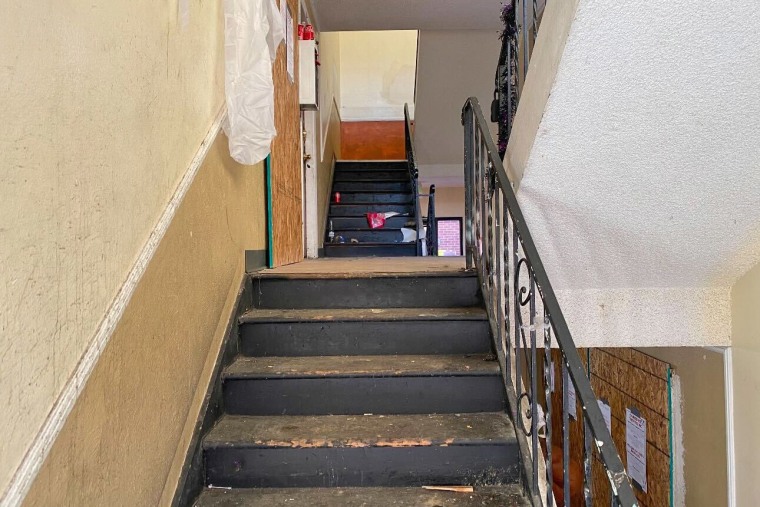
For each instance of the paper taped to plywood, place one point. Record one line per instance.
(253, 30)
(636, 447)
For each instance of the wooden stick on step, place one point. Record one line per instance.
(453, 489)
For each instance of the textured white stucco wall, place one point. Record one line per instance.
(642, 188)
(104, 105)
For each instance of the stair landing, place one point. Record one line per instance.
(357, 266)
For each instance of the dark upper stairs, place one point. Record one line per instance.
(364, 187)
(358, 389)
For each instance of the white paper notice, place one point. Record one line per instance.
(636, 448)
(289, 38)
(571, 403)
(606, 413)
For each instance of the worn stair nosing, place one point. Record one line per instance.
(490, 496)
(376, 366)
(256, 316)
(353, 431)
(268, 275)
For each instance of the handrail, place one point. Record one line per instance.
(431, 234)
(413, 174)
(492, 214)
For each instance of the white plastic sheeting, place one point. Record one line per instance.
(253, 31)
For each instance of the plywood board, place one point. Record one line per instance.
(628, 378)
(286, 179)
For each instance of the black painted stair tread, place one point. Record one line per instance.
(361, 431)
(363, 314)
(362, 366)
(483, 496)
(361, 210)
(362, 198)
(361, 222)
(372, 186)
(400, 165)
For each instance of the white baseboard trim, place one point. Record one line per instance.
(30, 466)
(728, 371)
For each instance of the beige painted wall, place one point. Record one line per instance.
(104, 106)
(125, 440)
(453, 66)
(745, 355)
(449, 201)
(377, 72)
(703, 422)
(329, 124)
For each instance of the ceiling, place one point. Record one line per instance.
(348, 15)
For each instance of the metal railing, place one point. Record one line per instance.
(431, 234)
(514, 282)
(521, 20)
(413, 174)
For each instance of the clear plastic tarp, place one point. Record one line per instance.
(253, 31)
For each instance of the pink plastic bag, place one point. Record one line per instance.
(376, 220)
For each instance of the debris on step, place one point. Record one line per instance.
(453, 489)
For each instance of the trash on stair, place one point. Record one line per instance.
(410, 235)
(354, 240)
(453, 489)
(377, 220)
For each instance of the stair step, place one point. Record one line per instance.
(364, 332)
(483, 496)
(371, 165)
(370, 250)
(377, 384)
(360, 210)
(346, 223)
(372, 186)
(376, 198)
(445, 290)
(385, 176)
(383, 235)
(364, 450)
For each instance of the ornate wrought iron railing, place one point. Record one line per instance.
(514, 283)
(521, 20)
(413, 175)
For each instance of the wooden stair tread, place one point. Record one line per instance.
(483, 496)
(363, 314)
(356, 431)
(361, 366)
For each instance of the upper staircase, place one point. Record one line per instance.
(359, 388)
(365, 187)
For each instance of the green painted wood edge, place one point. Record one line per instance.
(670, 436)
(270, 222)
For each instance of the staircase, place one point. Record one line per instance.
(364, 187)
(358, 389)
